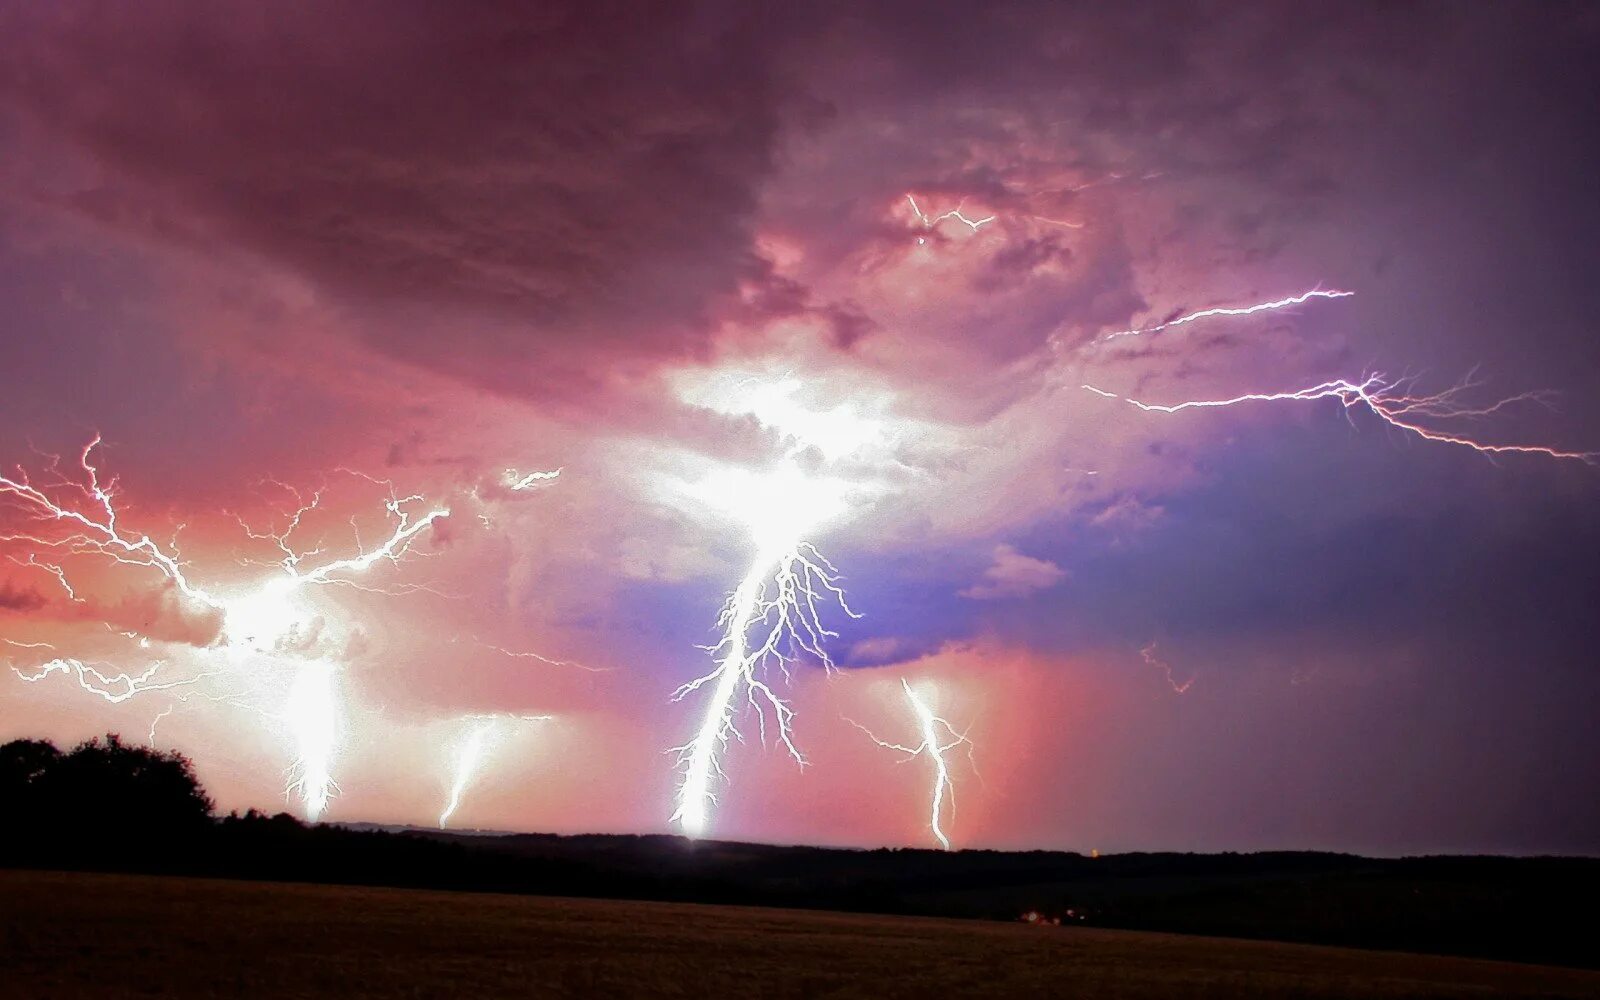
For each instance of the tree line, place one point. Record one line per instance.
(100, 790)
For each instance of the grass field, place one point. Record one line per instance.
(72, 935)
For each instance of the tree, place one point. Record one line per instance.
(103, 790)
(22, 762)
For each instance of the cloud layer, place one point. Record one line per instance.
(447, 248)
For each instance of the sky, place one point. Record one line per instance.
(327, 283)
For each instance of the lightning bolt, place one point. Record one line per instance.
(54, 570)
(1149, 655)
(772, 615)
(1391, 402)
(930, 222)
(515, 481)
(79, 516)
(312, 714)
(470, 753)
(935, 747)
(467, 757)
(150, 740)
(114, 688)
(529, 654)
(27, 645)
(95, 532)
(1276, 304)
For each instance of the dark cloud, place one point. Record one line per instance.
(15, 597)
(551, 187)
(543, 200)
(565, 202)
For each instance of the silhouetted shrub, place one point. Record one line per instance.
(22, 764)
(102, 792)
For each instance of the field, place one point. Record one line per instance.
(70, 935)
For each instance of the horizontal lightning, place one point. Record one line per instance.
(1390, 402)
(1293, 300)
(115, 688)
(929, 222)
(531, 480)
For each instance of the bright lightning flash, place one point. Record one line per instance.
(312, 713)
(771, 615)
(470, 753)
(467, 758)
(78, 517)
(935, 746)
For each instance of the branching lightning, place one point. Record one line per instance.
(95, 532)
(79, 517)
(54, 570)
(774, 614)
(1392, 402)
(114, 688)
(771, 615)
(935, 746)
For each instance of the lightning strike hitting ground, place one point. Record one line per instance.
(79, 517)
(470, 753)
(935, 747)
(772, 615)
(467, 757)
(1389, 401)
(1293, 300)
(312, 714)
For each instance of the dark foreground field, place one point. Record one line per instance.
(70, 935)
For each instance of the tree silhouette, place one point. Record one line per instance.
(103, 790)
(22, 763)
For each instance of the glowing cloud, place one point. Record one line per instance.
(773, 613)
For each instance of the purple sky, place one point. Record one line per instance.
(255, 246)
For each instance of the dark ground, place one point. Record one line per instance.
(1538, 910)
(76, 935)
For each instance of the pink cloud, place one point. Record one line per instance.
(1013, 574)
